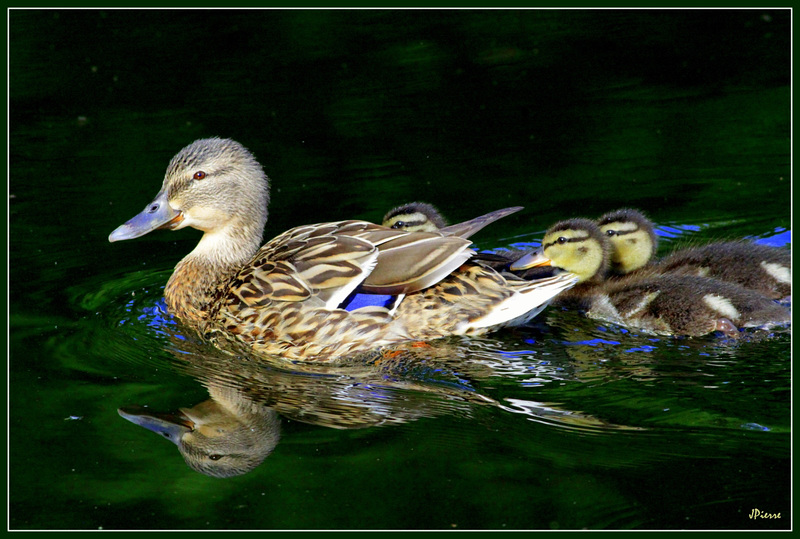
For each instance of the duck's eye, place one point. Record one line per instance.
(199, 175)
(399, 224)
(215, 457)
(562, 240)
(610, 232)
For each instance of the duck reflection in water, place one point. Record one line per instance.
(239, 426)
(225, 436)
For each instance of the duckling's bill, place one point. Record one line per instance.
(531, 260)
(157, 214)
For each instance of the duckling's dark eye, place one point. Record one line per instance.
(215, 457)
(399, 224)
(199, 175)
(562, 240)
(610, 232)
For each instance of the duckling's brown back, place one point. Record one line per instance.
(691, 305)
(757, 267)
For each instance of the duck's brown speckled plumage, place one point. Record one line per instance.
(284, 297)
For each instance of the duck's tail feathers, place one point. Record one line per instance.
(527, 302)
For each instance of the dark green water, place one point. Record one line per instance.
(565, 424)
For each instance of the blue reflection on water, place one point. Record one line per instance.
(643, 348)
(756, 426)
(517, 353)
(781, 238)
(665, 231)
(157, 317)
(590, 342)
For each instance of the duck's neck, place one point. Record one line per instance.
(217, 257)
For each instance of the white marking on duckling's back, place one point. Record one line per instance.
(779, 272)
(603, 308)
(722, 305)
(643, 303)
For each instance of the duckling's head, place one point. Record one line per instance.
(214, 185)
(575, 245)
(415, 217)
(633, 240)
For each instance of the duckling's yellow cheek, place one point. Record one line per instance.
(556, 254)
(563, 257)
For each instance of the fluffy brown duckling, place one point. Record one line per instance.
(666, 304)
(767, 270)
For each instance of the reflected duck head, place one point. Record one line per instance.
(212, 439)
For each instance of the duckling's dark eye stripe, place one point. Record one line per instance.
(622, 232)
(406, 224)
(566, 240)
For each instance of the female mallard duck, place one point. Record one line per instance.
(758, 267)
(662, 304)
(287, 297)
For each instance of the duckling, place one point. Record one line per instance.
(664, 304)
(767, 270)
(633, 239)
(419, 216)
(424, 217)
(287, 298)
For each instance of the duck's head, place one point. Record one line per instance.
(633, 240)
(213, 439)
(575, 245)
(415, 217)
(214, 185)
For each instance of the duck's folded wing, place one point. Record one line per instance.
(320, 269)
(324, 263)
(407, 261)
(410, 263)
(468, 228)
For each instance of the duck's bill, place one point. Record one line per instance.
(531, 260)
(171, 426)
(157, 214)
